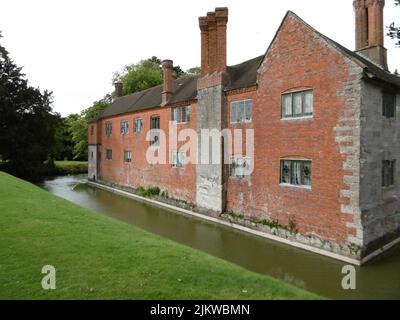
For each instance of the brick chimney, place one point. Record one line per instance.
(204, 45)
(169, 77)
(370, 30)
(213, 41)
(118, 89)
(221, 15)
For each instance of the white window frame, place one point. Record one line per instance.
(136, 127)
(237, 104)
(127, 159)
(178, 159)
(291, 184)
(293, 95)
(109, 128)
(245, 171)
(124, 127)
(180, 112)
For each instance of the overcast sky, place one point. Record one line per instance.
(72, 47)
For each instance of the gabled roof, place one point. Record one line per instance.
(242, 75)
(370, 67)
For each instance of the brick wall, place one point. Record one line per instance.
(179, 183)
(299, 58)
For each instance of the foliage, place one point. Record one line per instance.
(148, 192)
(394, 32)
(71, 167)
(140, 76)
(97, 257)
(193, 71)
(78, 126)
(265, 222)
(64, 146)
(27, 122)
(145, 74)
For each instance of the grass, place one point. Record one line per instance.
(71, 167)
(97, 257)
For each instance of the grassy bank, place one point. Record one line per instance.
(97, 257)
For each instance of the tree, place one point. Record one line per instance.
(64, 146)
(144, 75)
(27, 122)
(140, 76)
(78, 126)
(193, 71)
(394, 32)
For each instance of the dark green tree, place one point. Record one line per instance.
(27, 122)
(64, 146)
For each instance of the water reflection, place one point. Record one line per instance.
(379, 279)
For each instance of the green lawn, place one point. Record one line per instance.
(100, 258)
(71, 167)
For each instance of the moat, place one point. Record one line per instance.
(378, 279)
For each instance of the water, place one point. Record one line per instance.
(379, 279)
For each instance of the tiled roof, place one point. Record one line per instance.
(242, 75)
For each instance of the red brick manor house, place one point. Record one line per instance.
(326, 132)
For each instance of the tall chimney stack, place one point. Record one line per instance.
(221, 15)
(168, 77)
(204, 45)
(118, 89)
(370, 30)
(213, 41)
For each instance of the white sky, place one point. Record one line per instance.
(72, 47)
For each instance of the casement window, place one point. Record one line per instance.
(297, 104)
(109, 154)
(127, 156)
(388, 172)
(91, 130)
(241, 111)
(178, 159)
(124, 127)
(155, 131)
(180, 114)
(241, 167)
(296, 172)
(108, 129)
(138, 125)
(389, 105)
